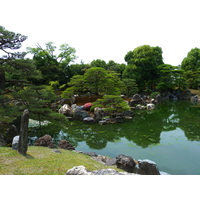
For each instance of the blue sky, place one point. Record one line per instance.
(107, 29)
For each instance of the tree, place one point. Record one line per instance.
(53, 67)
(18, 77)
(170, 78)
(98, 63)
(96, 80)
(112, 104)
(130, 87)
(191, 66)
(146, 59)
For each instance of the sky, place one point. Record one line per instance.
(107, 29)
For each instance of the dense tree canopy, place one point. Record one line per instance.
(191, 66)
(53, 66)
(96, 80)
(18, 78)
(145, 59)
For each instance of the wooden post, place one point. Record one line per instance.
(23, 139)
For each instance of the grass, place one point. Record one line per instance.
(42, 161)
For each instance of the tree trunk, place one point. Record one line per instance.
(2, 79)
(23, 140)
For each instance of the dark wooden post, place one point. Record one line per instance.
(23, 139)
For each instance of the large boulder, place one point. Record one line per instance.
(81, 170)
(64, 144)
(99, 113)
(147, 167)
(45, 141)
(87, 106)
(15, 143)
(69, 101)
(126, 163)
(66, 110)
(80, 114)
(137, 99)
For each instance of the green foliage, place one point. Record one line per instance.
(154, 94)
(96, 80)
(191, 66)
(146, 59)
(98, 63)
(170, 78)
(130, 72)
(18, 80)
(53, 67)
(112, 104)
(130, 87)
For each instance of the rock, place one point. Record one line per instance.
(66, 110)
(89, 120)
(56, 151)
(111, 161)
(78, 170)
(15, 143)
(127, 117)
(140, 107)
(110, 172)
(81, 170)
(148, 167)
(103, 122)
(44, 141)
(90, 154)
(150, 106)
(73, 107)
(195, 99)
(80, 114)
(23, 139)
(98, 114)
(69, 101)
(118, 119)
(64, 144)
(87, 106)
(2, 141)
(137, 99)
(125, 162)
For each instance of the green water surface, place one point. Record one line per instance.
(169, 136)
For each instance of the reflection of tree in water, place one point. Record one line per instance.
(190, 122)
(144, 129)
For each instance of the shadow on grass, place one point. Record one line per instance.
(29, 156)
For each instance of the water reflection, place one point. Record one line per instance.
(144, 130)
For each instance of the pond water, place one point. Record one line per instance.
(169, 136)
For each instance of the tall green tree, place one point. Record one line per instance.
(146, 59)
(53, 66)
(191, 66)
(170, 78)
(96, 80)
(18, 77)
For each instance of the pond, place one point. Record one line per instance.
(169, 136)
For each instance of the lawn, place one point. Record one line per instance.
(42, 161)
